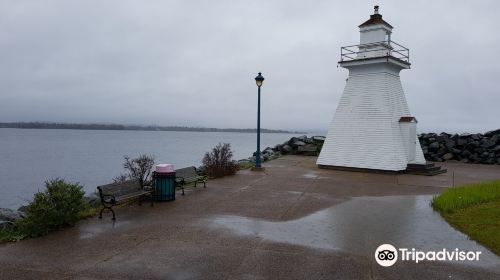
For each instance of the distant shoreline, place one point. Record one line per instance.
(79, 126)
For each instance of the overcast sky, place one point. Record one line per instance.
(193, 63)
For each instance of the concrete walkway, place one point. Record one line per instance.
(293, 221)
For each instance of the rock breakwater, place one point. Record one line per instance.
(470, 148)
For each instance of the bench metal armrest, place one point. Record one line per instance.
(108, 198)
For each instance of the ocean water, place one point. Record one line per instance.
(29, 157)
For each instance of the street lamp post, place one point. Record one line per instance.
(258, 80)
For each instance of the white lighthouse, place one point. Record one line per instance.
(372, 127)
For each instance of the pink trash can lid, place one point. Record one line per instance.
(164, 168)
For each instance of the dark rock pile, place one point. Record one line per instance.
(471, 148)
(303, 145)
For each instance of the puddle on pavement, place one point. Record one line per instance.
(360, 225)
(93, 229)
(310, 175)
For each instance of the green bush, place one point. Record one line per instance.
(219, 162)
(58, 206)
(467, 195)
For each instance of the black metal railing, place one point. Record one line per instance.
(376, 49)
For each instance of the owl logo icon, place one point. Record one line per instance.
(386, 255)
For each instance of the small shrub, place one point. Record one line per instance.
(219, 161)
(58, 206)
(138, 168)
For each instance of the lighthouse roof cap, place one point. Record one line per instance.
(376, 18)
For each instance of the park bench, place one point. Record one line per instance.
(116, 193)
(188, 175)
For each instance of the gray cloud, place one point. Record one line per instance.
(193, 62)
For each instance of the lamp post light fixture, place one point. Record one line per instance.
(258, 80)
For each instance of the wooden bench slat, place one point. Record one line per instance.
(132, 195)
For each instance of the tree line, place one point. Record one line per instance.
(90, 126)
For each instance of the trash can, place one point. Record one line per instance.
(164, 182)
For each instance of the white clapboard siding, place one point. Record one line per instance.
(365, 131)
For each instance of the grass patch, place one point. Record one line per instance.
(89, 212)
(11, 234)
(461, 197)
(480, 222)
(473, 209)
(245, 165)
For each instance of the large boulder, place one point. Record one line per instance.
(495, 138)
(302, 138)
(476, 136)
(298, 143)
(471, 146)
(449, 144)
(441, 138)
(462, 141)
(479, 150)
(319, 138)
(487, 143)
(441, 151)
(434, 146)
(308, 150)
(493, 132)
(265, 157)
(268, 151)
(286, 149)
(466, 154)
(10, 215)
(447, 156)
(273, 155)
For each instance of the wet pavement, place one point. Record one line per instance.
(361, 224)
(293, 221)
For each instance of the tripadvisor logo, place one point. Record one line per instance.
(387, 255)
